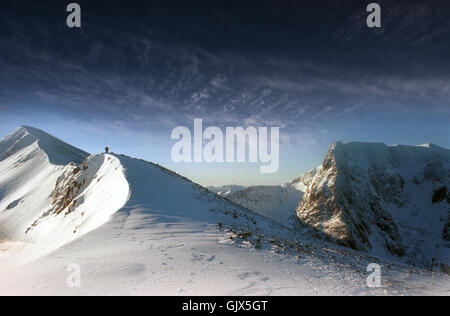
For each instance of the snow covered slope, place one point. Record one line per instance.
(133, 227)
(44, 205)
(389, 201)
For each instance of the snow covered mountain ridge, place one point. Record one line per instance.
(134, 227)
(390, 201)
(51, 192)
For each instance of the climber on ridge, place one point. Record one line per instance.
(106, 149)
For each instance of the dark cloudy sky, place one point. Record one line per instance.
(137, 69)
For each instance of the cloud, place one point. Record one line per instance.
(148, 78)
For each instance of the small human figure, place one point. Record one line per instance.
(106, 149)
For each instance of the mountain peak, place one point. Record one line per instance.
(58, 152)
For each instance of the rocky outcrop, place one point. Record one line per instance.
(68, 186)
(371, 197)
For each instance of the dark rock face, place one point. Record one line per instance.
(365, 196)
